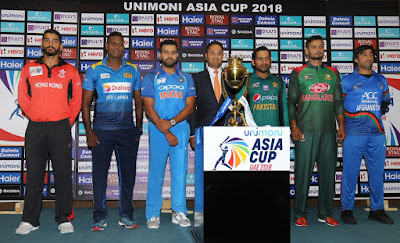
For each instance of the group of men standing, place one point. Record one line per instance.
(178, 106)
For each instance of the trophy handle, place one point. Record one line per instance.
(246, 87)
(224, 93)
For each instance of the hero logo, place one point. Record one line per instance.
(117, 87)
(169, 87)
(142, 30)
(370, 95)
(167, 19)
(319, 88)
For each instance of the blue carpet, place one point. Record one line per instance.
(365, 231)
(48, 231)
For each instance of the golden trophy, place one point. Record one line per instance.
(235, 77)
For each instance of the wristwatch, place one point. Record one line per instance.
(172, 122)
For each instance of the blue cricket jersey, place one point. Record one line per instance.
(362, 102)
(114, 103)
(168, 91)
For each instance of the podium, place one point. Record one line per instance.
(246, 184)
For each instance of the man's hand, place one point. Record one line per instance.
(296, 133)
(172, 139)
(192, 141)
(341, 134)
(164, 125)
(91, 139)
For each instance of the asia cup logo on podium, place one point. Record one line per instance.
(234, 152)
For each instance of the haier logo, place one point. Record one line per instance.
(393, 67)
(341, 21)
(117, 18)
(84, 65)
(11, 64)
(10, 178)
(270, 20)
(68, 41)
(192, 19)
(364, 21)
(33, 52)
(167, 30)
(84, 179)
(12, 27)
(142, 42)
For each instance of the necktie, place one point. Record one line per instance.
(217, 88)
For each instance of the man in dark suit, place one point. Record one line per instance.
(208, 102)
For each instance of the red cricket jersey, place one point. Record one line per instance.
(50, 94)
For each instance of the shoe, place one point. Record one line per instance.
(99, 225)
(329, 221)
(347, 217)
(198, 219)
(25, 228)
(66, 228)
(129, 223)
(301, 222)
(153, 223)
(380, 216)
(181, 219)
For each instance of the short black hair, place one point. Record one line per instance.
(313, 38)
(168, 42)
(214, 43)
(51, 31)
(114, 33)
(363, 48)
(261, 48)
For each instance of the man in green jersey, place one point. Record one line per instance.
(315, 99)
(267, 92)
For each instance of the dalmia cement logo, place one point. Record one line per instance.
(235, 150)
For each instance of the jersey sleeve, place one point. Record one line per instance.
(148, 86)
(191, 90)
(284, 108)
(76, 101)
(138, 79)
(24, 99)
(293, 94)
(89, 82)
(339, 104)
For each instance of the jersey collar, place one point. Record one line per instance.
(60, 62)
(312, 66)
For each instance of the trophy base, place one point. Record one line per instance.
(236, 119)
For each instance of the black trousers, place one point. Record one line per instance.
(43, 139)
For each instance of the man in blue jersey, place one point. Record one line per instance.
(115, 83)
(366, 98)
(169, 98)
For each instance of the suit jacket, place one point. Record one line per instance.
(206, 103)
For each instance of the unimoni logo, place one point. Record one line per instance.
(117, 87)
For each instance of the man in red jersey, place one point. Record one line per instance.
(50, 95)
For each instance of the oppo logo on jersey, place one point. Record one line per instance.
(169, 87)
(117, 87)
(319, 88)
(370, 95)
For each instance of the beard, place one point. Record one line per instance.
(168, 63)
(317, 57)
(262, 68)
(48, 53)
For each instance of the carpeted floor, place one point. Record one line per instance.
(366, 231)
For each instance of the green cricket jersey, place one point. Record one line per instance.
(268, 100)
(315, 98)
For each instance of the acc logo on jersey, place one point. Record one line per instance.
(370, 95)
(257, 98)
(35, 71)
(319, 88)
